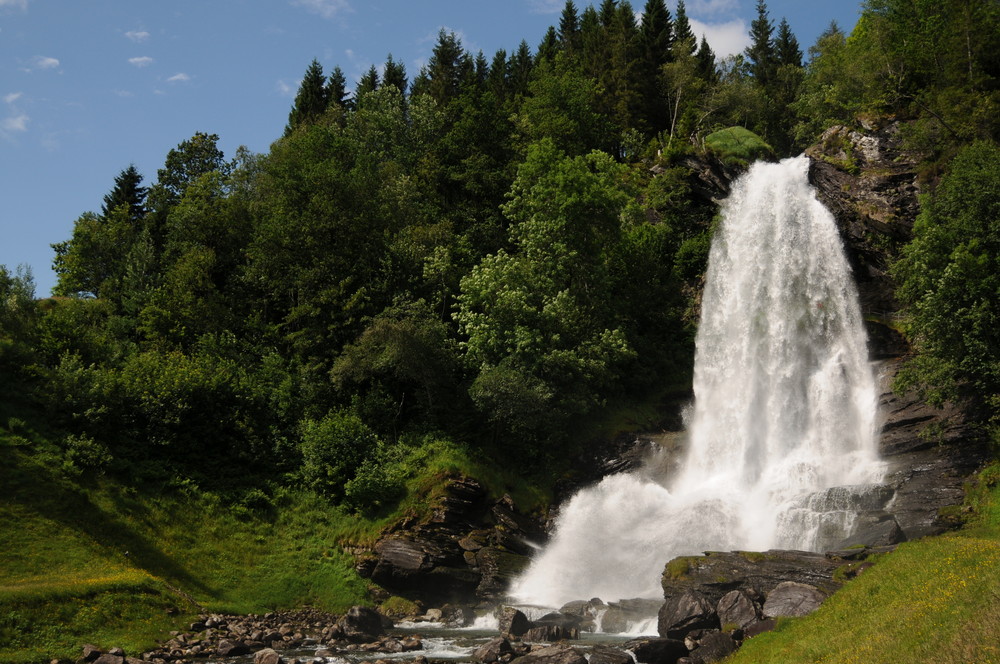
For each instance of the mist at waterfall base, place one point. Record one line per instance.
(782, 431)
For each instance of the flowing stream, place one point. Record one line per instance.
(782, 433)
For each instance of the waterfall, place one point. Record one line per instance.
(782, 431)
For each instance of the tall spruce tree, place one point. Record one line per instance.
(394, 74)
(311, 99)
(761, 54)
(682, 28)
(655, 38)
(128, 192)
(569, 28)
(336, 88)
(444, 68)
(548, 47)
(786, 46)
(706, 62)
(368, 83)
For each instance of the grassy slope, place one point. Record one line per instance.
(932, 600)
(90, 559)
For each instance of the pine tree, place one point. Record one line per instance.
(549, 46)
(706, 62)
(368, 83)
(655, 37)
(444, 68)
(498, 81)
(520, 66)
(127, 192)
(608, 13)
(336, 88)
(760, 53)
(311, 99)
(569, 28)
(394, 74)
(591, 41)
(787, 46)
(682, 28)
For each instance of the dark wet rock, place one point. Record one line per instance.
(620, 616)
(603, 654)
(793, 599)
(868, 181)
(717, 573)
(512, 621)
(765, 625)
(738, 608)
(554, 654)
(497, 568)
(874, 529)
(492, 651)
(657, 651)
(713, 647)
(514, 531)
(550, 633)
(361, 623)
(684, 612)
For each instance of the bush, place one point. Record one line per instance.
(738, 146)
(333, 448)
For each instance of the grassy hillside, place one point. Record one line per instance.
(90, 558)
(932, 600)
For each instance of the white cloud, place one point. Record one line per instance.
(325, 8)
(284, 89)
(546, 6)
(14, 4)
(141, 61)
(124, 93)
(726, 39)
(179, 77)
(12, 97)
(138, 36)
(15, 123)
(44, 62)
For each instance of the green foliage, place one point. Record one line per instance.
(949, 280)
(333, 448)
(738, 146)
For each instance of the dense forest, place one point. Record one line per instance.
(491, 255)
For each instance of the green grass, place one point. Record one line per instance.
(932, 600)
(738, 146)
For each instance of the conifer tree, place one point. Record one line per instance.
(760, 53)
(655, 36)
(444, 68)
(786, 46)
(706, 62)
(520, 69)
(368, 83)
(682, 28)
(336, 88)
(549, 46)
(311, 99)
(591, 41)
(608, 13)
(497, 81)
(129, 192)
(394, 74)
(569, 28)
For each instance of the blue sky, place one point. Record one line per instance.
(89, 86)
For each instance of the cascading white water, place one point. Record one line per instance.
(785, 408)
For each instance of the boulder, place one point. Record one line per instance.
(108, 658)
(874, 529)
(622, 616)
(543, 633)
(512, 622)
(497, 568)
(739, 609)
(228, 648)
(657, 651)
(713, 647)
(684, 612)
(492, 651)
(765, 625)
(91, 652)
(554, 654)
(267, 656)
(603, 654)
(792, 599)
(361, 623)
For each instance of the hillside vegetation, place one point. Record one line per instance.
(255, 363)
